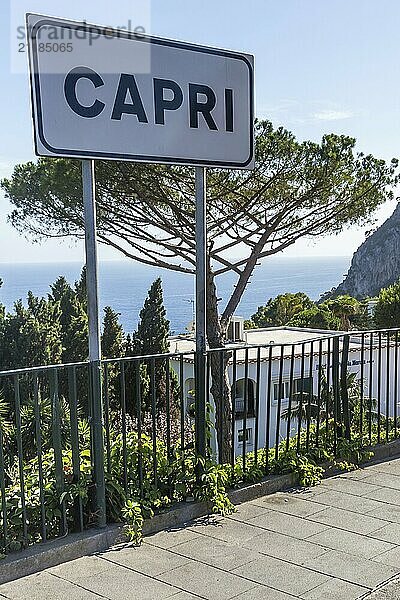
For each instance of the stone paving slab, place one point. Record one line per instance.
(262, 593)
(387, 512)
(335, 589)
(391, 466)
(207, 581)
(351, 486)
(359, 571)
(297, 527)
(285, 547)
(148, 560)
(384, 480)
(348, 520)
(288, 503)
(389, 533)
(184, 596)
(45, 586)
(385, 495)
(352, 543)
(334, 542)
(390, 591)
(224, 555)
(358, 504)
(391, 557)
(118, 582)
(282, 575)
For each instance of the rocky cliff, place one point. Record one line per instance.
(376, 263)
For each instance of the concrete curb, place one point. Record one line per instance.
(44, 556)
(384, 451)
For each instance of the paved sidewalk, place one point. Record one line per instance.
(335, 542)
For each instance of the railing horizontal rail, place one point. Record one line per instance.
(147, 357)
(41, 369)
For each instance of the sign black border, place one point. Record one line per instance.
(60, 152)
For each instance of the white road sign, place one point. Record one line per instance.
(111, 94)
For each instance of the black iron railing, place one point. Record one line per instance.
(262, 401)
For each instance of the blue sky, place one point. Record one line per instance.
(321, 66)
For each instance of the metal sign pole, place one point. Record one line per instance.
(89, 199)
(201, 275)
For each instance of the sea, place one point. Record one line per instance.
(124, 285)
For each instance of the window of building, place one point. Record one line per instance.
(240, 397)
(189, 395)
(249, 436)
(299, 385)
(237, 331)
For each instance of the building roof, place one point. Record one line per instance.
(284, 335)
(281, 342)
(275, 342)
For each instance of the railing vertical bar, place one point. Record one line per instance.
(38, 440)
(106, 389)
(279, 403)
(336, 390)
(245, 406)
(89, 376)
(17, 398)
(396, 379)
(319, 390)
(153, 417)
(300, 396)
(182, 407)
(290, 399)
(168, 406)
(257, 406)
(3, 495)
(379, 383)
(76, 467)
(57, 446)
(370, 383)
(220, 406)
(387, 384)
(233, 400)
(208, 405)
(123, 425)
(182, 411)
(328, 388)
(343, 389)
(138, 394)
(268, 410)
(362, 357)
(310, 394)
(168, 419)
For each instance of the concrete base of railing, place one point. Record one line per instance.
(384, 451)
(43, 556)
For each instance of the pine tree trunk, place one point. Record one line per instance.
(220, 385)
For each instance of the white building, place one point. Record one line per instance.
(291, 354)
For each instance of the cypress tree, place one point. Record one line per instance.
(112, 339)
(80, 287)
(153, 328)
(113, 345)
(152, 338)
